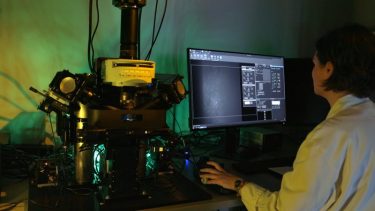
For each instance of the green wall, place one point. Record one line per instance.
(39, 38)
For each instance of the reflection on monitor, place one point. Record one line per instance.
(234, 89)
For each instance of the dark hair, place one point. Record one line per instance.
(351, 49)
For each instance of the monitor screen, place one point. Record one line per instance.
(234, 89)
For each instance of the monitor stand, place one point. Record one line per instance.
(231, 148)
(254, 157)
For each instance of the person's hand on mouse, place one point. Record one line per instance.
(218, 175)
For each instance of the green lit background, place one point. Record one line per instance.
(39, 38)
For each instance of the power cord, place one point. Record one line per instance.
(155, 37)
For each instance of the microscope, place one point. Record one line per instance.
(121, 105)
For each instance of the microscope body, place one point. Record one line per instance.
(111, 116)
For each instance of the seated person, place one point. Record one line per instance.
(334, 168)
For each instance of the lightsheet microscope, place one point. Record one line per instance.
(120, 106)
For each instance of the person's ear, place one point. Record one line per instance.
(329, 68)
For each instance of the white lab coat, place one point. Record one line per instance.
(334, 168)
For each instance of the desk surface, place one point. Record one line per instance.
(18, 198)
(17, 194)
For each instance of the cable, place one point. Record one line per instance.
(154, 38)
(175, 121)
(53, 133)
(90, 44)
(95, 30)
(89, 38)
(139, 33)
(153, 25)
(153, 30)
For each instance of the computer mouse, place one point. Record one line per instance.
(202, 163)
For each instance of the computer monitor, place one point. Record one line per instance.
(232, 89)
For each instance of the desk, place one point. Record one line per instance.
(18, 193)
(216, 203)
(225, 202)
(177, 191)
